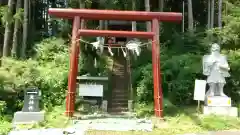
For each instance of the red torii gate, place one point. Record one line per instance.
(90, 14)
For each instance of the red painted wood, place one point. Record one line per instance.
(158, 96)
(106, 33)
(155, 17)
(75, 49)
(93, 14)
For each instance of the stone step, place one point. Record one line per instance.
(120, 94)
(119, 71)
(120, 79)
(119, 104)
(118, 68)
(119, 90)
(119, 99)
(118, 74)
(118, 109)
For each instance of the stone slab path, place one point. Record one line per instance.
(115, 124)
(48, 132)
(81, 126)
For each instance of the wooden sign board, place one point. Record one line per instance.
(91, 90)
(199, 90)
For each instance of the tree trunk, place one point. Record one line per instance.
(148, 23)
(219, 17)
(183, 18)
(220, 14)
(209, 15)
(46, 17)
(190, 16)
(8, 29)
(101, 22)
(106, 24)
(82, 5)
(134, 23)
(147, 8)
(1, 36)
(53, 22)
(161, 5)
(25, 29)
(212, 13)
(16, 30)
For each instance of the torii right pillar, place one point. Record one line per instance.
(158, 94)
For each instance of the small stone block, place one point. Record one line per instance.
(28, 117)
(217, 110)
(219, 101)
(104, 105)
(130, 105)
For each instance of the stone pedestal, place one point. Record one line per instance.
(130, 105)
(218, 101)
(219, 105)
(28, 117)
(221, 110)
(104, 105)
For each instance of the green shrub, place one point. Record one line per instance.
(48, 71)
(3, 107)
(178, 75)
(232, 87)
(180, 66)
(144, 110)
(53, 64)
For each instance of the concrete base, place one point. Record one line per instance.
(219, 101)
(28, 117)
(104, 105)
(217, 110)
(130, 105)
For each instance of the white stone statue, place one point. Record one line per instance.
(215, 67)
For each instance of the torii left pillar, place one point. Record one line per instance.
(78, 14)
(75, 50)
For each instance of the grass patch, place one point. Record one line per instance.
(56, 119)
(184, 120)
(5, 127)
(179, 121)
(184, 124)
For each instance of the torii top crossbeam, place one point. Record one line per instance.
(115, 15)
